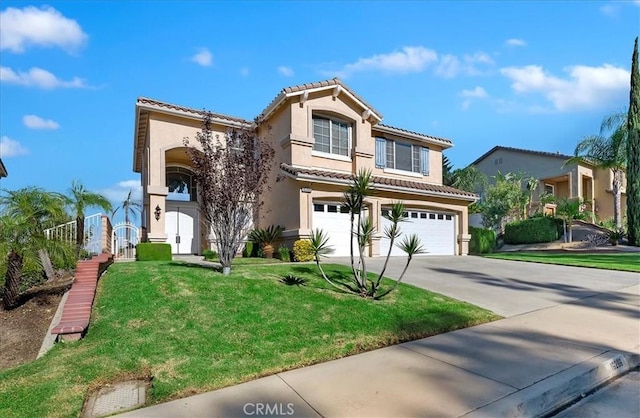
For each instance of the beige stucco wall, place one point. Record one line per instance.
(165, 146)
(604, 194)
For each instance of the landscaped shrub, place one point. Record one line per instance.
(283, 253)
(482, 240)
(210, 255)
(531, 231)
(302, 250)
(152, 251)
(249, 249)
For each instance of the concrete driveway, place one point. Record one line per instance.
(507, 288)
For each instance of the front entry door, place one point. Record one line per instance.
(180, 227)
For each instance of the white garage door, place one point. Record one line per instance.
(435, 230)
(335, 221)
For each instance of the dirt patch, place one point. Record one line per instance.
(22, 329)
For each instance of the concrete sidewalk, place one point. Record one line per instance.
(524, 365)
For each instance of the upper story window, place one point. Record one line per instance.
(181, 184)
(331, 136)
(402, 156)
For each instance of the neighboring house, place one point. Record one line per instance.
(3, 169)
(569, 181)
(323, 133)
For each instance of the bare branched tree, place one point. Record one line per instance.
(232, 174)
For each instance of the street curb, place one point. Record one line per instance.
(50, 339)
(557, 391)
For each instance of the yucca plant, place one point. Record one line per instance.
(266, 237)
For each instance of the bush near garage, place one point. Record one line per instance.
(151, 251)
(483, 240)
(531, 231)
(302, 250)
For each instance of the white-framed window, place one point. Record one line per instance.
(332, 136)
(404, 156)
(549, 189)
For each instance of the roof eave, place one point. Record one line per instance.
(283, 97)
(445, 144)
(378, 186)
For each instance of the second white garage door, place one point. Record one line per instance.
(335, 221)
(435, 230)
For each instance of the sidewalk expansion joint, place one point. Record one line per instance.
(299, 395)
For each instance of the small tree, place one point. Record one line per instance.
(633, 153)
(79, 200)
(362, 230)
(504, 198)
(231, 175)
(569, 210)
(24, 216)
(131, 208)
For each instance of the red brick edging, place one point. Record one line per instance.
(77, 308)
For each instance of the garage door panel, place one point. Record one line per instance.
(435, 231)
(336, 226)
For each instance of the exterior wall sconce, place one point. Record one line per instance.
(157, 212)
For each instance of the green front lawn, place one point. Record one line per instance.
(195, 330)
(609, 261)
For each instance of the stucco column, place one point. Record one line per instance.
(157, 198)
(463, 232)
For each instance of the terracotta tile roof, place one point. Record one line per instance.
(429, 137)
(521, 150)
(169, 106)
(382, 181)
(317, 84)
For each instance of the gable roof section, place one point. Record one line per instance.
(380, 183)
(443, 142)
(522, 151)
(3, 169)
(333, 84)
(145, 105)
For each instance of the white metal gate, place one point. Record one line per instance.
(125, 238)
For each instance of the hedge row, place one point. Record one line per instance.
(482, 240)
(531, 231)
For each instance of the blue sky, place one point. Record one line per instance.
(537, 75)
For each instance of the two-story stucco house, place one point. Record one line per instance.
(323, 133)
(569, 181)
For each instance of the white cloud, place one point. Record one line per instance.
(585, 88)
(119, 191)
(410, 59)
(203, 57)
(36, 122)
(609, 10)
(244, 71)
(515, 42)
(11, 148)
(37, 77)
(477, 93)
(45, 26)
(450, 66)
(285, 71)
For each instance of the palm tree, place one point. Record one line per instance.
(607, 150)
(469, 179)
(569, 210)
(25, 215)
(131, 208)
(79, 199)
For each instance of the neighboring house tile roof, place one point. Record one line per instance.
(520, 150)
(195, 112)
(430, 138)
(309, 86)
(3, 169)
(431, 189)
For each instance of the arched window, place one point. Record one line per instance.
(181, 184)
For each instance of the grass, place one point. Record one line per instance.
(195, 330)
(608, 261)
(244, 261)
